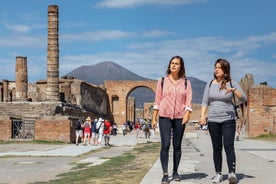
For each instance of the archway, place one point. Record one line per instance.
(121, 89)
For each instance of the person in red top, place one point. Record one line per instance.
(137, 129)
(173, 103)
(87, 131)
(107, 131)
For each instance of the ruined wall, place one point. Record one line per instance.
(54, 129)
(29, 109)
(59, 116)
(5, 130)
(7, 90)
(261, 111)
(94, 99)
(80, 94)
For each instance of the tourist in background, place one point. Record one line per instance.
(173, 103)
(94, 134)
(99, 130)
(106, 132)
(114, 129)
(79, 132)
(87, 131)
(124, 129)
(137, 129)
(218, 96)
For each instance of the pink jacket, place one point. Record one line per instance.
(173, 100)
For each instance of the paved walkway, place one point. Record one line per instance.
(256, 160)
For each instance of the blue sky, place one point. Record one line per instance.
(142, 36)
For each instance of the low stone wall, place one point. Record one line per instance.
(53, 129)
(5, 129)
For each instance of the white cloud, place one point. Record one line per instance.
(150, 59)
(133, 3)
(156, 33)
(23, 41)
(96, 36)
(23, 24)
(18, 28)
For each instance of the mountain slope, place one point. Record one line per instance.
(100, 72)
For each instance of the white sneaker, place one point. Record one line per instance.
(232, 178)
(217, 179)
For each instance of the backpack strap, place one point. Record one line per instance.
(162, 82)
(185, 83)
(235, 105)
(210, 83)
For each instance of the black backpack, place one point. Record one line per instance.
(105, 127)
(78, 125)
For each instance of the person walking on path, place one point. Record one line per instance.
(99, 130)
(87, 131)
(173, 103)
(106, 132)
(79, 132)
(94, 134)
(219, 95)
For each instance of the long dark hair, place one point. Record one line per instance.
(182, 67)
(225, 66)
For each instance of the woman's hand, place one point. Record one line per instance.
(186, 117)
(228, 90)
(203, 120)
(153, 123)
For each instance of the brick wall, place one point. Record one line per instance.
(5, 129)
(53, 129)
(261, 111)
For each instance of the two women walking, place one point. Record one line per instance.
(173, 106)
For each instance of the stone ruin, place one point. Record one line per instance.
(47, 109)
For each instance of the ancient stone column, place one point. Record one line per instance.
(21, 79)
(5, 90)
(53, 55)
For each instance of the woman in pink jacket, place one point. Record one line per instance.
(173, 103)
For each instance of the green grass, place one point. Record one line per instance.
(266, 137)
(32, 142)
(129, 167)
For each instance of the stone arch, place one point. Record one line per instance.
(121, 90)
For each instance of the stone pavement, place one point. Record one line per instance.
(26, 163)
(256, 162)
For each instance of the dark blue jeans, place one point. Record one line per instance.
(170, 127)
(223, 134)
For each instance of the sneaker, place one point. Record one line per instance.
(176, 176)
(165, 179)
(217, 178)
(232, 178)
